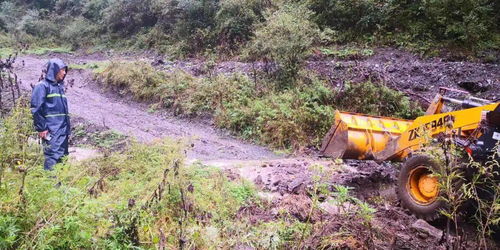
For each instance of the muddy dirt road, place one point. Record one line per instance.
(88, 101)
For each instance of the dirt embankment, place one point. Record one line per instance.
(416, 76)
(419, 77)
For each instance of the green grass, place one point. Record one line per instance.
(46, 50)
(5, 52)
(347, 52)
(96, 67)
(107, 139)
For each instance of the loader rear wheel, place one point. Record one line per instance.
(418, 188)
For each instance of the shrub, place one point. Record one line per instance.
(467, 22)
(17, 147)
(462, 23)
(94, 9)
(357, 17)
(235, 21)
(377, 99)
(79, 32)
(144, 82)
(292, 118)
(9, 16)
(195, 24)
(125, 17)
(284, 38)
(71, 7)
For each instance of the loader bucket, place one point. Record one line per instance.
(358, 136)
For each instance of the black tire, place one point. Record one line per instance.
(428, 211)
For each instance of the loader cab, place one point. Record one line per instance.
(489, 142)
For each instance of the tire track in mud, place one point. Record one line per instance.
(88, 101)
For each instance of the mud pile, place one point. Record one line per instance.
(418, 77)
(412, 74)
(287, 192)
(296, 175)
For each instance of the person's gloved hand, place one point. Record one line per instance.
(43, 134)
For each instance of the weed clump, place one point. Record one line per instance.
(285, 39)
(18, 147)
(291, 118)
(377, 99)
(176, 90)
(132, 199)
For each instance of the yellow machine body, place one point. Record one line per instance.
(358, 136)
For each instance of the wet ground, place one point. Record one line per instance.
(288, 190)
(285, 182)
(418, 77)
(88, 101)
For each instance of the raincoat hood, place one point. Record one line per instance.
(53, 67)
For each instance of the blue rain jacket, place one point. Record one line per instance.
(48, 102)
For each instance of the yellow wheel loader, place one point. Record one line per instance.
(473, 123)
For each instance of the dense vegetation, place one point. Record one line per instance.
(146, 197)
(261, 109)
(193, 26)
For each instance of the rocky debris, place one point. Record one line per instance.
(398, 228)
(79, 154)
(243, 247)
(256, 214)
(412, 74)
(297, 185)
(298, 206)
(475, 86)
(85, 133)
(296, 176)
(421, 226)
(400, 70)
(258, 181)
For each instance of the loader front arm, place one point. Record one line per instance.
(461, 123)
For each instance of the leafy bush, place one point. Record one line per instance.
(285, 38)
(17, 145)
(79, 32)
(94, 9)
(144, 82)
(9, 15)
(138, 78)
(377, 99)
(291, 118)
(462, 23)
(177, 90)
(353, 16)
(235, 21)
(125, 17)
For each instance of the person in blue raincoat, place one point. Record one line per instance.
(50, 113)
